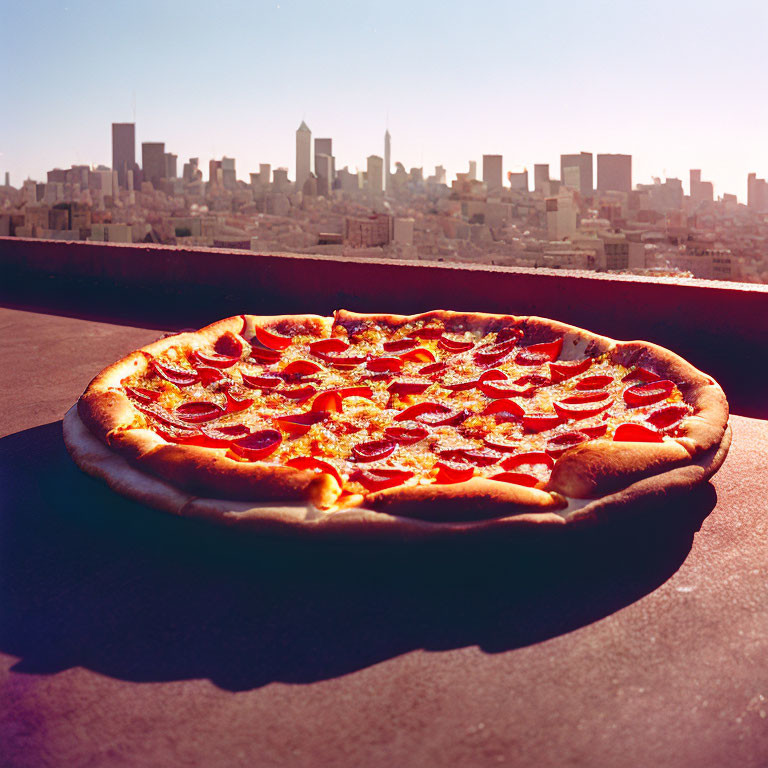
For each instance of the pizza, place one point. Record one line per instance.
(442, 420)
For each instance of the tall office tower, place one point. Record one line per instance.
(325, 147)
(190, 169)
(695, 176)
(153, 161)
(7, 179)
(323, 171)
(540, 176)
(583, 162)
(265, 174)
(228, 173)
(123, 149)
(170, 165)
(614, 172)
(757, 193)
(375, 170)
(472, 175)
(387, 159)
(492, 173)
(303, 155)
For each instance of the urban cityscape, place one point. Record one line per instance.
(588, 214)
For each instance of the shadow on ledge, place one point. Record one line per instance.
(90, 579)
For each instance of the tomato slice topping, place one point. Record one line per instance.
(418, 355)
(198, 411)
(476, 456)
(641, 374)
(381, 364)
(261, 382)
(222, 436)
(374, 450)
(429, 332)
(385, 477)
(490, 354)
(636, 433)
(209, 375)
(264, 355)
(533, 380)
(177, 376)
(236, 400)
(270, 339)
(518, 478)
(647, 394)
(433, 368)
(345, 361)
(497, 444)
(414, 412)
(594, 428)
(540, 422)
(668, 416)
(315, 465)
(559, 444)
(399, 345)
(593, 382)
(257, 445)
(141, 394)
(449, 472)
(300, 423)
(504, 409)
(529, 458)
(448, 417)
(461, 385)
(537, 354)
(302, 367)
(455, 345)
(408, 387)
(328, 346)
(567, 369)
(300, 393)
(215, 361)
(496, 391)
(328, 401)
(583, 406)
(407, 434)
(177, 432)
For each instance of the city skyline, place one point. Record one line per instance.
(525, 83)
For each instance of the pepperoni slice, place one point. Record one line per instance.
(236, 401)
(647, 394)
(533, 380)
(540, 422)
(261, 382)
(563, 370)
(209, 375)
(450, 417)
(399, 345)
(497, 444)
(141, 394)
(641, 374)
(361, 391)
(504, 409)
(230, 345)
(559, 444)
(408, 387)
(270, 339)
(215, 361)
(178, 376)
(594, 382)
(455, 346)
(429, 332)
(594, 428)
(669, 416)
(257, 445)
(374, 450)
(382, 364)
(529, 458)
(461, 385)
(537, 354)
(433, 369)
(450, 472)
(264, 355)
(300, 423)
(496, 391)
(328, 401)
(328, 346)
(493, 353)
(315, 465)
(418, 355)
(300, 393)
(345, 361)
(407, 433)
(385, 477)
(177, 432)
(302, 367)
(419, 409)
(480, 457)
(199, 411)
(222, 436)
(636, 433)
(518, 478)
(583, 406)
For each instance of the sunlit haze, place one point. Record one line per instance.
(677, 85)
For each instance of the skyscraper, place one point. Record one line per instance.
(492, 173)
(375, 174)
(325, 147)
(387, 159)
(614, 172)
(303, 155)
(540, 176)
(583, 162)
(123, 150)
(153, 161)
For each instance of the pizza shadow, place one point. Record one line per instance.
(90, 579)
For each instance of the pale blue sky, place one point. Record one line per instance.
(676, 84)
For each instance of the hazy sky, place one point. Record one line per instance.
(678, 85)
